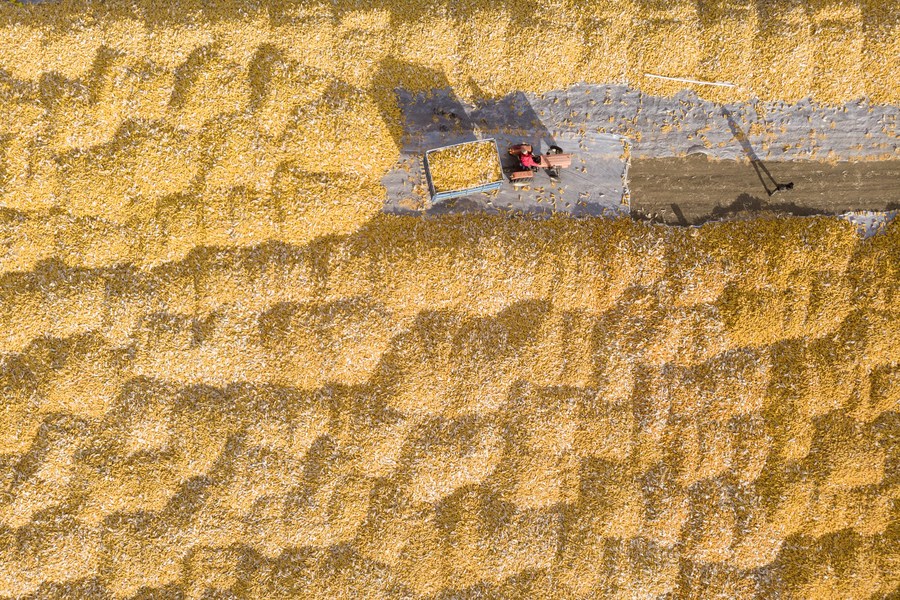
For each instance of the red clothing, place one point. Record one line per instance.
(527, 161)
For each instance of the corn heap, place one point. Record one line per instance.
(223, 373)
(464, 166)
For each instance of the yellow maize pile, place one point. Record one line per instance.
(464, 166)
(451, 394)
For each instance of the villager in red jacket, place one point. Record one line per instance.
(527, 160)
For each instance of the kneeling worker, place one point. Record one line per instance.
(527, 160)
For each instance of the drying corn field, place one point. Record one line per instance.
(226, 373)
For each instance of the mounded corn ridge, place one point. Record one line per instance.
(536, 409)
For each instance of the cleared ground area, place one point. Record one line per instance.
(694, 189)
(840, 158)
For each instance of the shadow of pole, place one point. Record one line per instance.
(758, 165)
(679, 214)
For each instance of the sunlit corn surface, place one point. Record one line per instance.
(464, 166)
(225, 374)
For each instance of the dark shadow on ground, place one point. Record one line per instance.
(482, 205)
(403, 114)
(679, 214)
(459, 206)
(745, 206)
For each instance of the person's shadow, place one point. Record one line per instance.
(761, 170)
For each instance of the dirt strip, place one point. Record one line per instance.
(695, 189)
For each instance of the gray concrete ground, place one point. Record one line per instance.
(662, 127)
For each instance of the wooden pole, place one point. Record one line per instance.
(697, 81)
